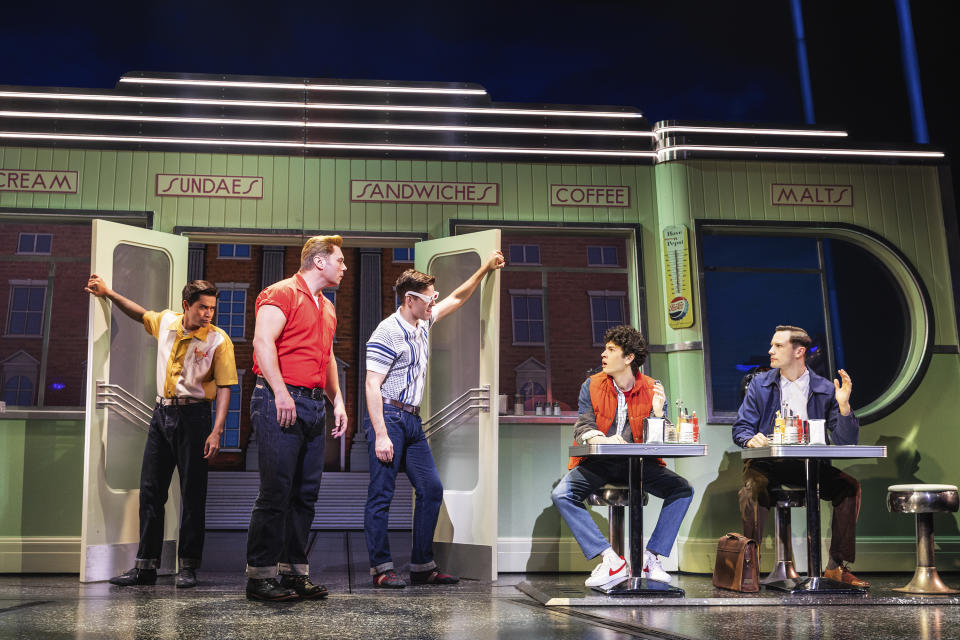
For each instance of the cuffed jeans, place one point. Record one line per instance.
(291, 464)
(411, 453)
(590, 475)
(175, 440)
(842, 490)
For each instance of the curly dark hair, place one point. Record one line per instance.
(631, 342)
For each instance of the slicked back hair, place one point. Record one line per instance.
(412, 280)
(197, 288)
(318, 246)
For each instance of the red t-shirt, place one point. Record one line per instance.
(303, 346)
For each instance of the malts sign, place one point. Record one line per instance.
(812, 195)
(424, 192)
(183, 185)
(39, 181)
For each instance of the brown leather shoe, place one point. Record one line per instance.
(844, 575)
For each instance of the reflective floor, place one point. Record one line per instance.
(53, 607)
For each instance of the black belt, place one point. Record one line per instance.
(316, 393)
(409, 408)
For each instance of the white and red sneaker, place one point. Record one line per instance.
(609, 573)
(652, 569)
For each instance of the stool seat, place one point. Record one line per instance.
(610, 495)
(922, 498)
(788, 496)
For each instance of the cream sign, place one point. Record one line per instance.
(423, 192)
(175, 184)
(580, 195)
(39, 181)
(812, 195)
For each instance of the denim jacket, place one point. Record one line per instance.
(762, 401)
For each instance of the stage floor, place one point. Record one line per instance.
(59, 607)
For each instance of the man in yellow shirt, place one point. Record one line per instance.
(195, 365)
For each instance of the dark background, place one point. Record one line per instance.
(678, 60)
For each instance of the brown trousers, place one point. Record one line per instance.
(841, 490)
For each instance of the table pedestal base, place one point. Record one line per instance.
(642, 587)
(816, 586)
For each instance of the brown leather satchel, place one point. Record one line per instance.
(738, 564)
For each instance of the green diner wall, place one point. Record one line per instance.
(900, 203)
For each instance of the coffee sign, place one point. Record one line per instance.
(589, 195)
(39, 181)
(812, 195)
(186, 185)
(424, 192)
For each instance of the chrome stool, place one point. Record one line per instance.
(924, 500)
(615, 496)
(784, 499)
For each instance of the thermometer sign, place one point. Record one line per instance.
(676, 254)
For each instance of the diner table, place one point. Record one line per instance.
(814, 583)
(636, 586)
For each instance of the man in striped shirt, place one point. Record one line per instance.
(397, 355)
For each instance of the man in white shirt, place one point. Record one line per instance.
(397, 355)
(791, 386)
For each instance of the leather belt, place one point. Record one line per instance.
(168, 402)
(409, 408)
(316, 393)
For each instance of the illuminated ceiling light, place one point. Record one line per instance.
(327, 125)
(812, 152)
(304, 85)
(325, 145)
(749, 131)
(317, 105)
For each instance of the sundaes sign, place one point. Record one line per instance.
(175, 184)
(423, 192)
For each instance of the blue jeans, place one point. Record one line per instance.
(291, 464)
(411, 453)
(175, 441)
(592, 474)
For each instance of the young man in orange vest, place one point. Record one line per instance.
(613, 405)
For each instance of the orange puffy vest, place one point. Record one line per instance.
(603, 397)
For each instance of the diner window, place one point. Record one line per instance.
(232, 309)
(606, 310)
(752, 283)
(603, 257)
(35, 243)
(25, 315)
(524, 254)
(527, 310)
(230, 439)
(234, 251)
(18, 391)
(403, 254)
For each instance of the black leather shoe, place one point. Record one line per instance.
(433, 576)
(135, 577)
(305, 589)
(186, 578)
(268, 589)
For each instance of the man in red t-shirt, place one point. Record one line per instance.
(295, 367)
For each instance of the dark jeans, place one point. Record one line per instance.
(175, 441)
(411, 453)
(841, 490)
(291, 464)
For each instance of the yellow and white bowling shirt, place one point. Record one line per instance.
(190, 365)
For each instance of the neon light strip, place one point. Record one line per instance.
(318, 105)
(813, 152)
(326, 125)
(304, 85)
(324, 145)
(761, 132)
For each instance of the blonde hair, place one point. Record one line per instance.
(318, 246)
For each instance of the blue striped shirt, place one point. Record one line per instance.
(400, 351)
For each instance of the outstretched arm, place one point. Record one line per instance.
(462, 293)
(98, 287)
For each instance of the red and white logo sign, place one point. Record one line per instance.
(678, 308)
(589, 195)
(191, 186)
(812, 195)
(39, 181)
